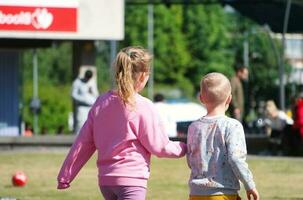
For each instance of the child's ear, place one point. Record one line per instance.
(142, 76)
(229, 98)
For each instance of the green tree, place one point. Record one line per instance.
(208, 38)
(54, 69)
(55, 106)
(104, 66)
(135, 26)
(170, 54)
(54, 63)
(172, 58)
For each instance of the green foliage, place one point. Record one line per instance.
(209, 44)
(54, 69)
(54, 63)
(135, 26)
(171, 56)
(104, 67)
(55, 107)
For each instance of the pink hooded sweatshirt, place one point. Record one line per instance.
(124, 139)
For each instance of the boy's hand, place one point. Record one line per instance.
(253, 193)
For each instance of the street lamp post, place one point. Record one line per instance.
(281, 66)
(150, 28)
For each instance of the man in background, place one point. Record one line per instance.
(237, 104)
(84, 94)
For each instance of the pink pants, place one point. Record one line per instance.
(123, 192)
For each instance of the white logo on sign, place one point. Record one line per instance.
(42, 19)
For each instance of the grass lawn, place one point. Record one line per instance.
(276, 178)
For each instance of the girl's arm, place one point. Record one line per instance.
(153, 137)
(189, 144)
(80, 152)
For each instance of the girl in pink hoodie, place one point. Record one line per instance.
(124, 128)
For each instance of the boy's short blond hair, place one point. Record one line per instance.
(215, 88)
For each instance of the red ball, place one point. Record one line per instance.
(19, 179)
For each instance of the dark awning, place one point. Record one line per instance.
(270, 12)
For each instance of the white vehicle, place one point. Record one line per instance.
(177, 116)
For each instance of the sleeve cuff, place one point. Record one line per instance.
(184, 148)
(250, 185)
(62, 186)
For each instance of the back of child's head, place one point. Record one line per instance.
(129, 64)
(215, 88)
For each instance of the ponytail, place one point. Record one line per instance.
(129, 63)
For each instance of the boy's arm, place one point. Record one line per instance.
(81, 150)
(236, 150)
(153, 137)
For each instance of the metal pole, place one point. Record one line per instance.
(35, 88)
(246, 52)
(150, 28)
(281, 68)
(113, 52)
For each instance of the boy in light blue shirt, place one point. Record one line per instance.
(217, 148)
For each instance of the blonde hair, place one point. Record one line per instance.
(215, 88)
(129, 63)
(271, 108)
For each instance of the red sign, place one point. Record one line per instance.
(22, 18)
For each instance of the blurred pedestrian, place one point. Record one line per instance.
(237, 103)
(84, 94)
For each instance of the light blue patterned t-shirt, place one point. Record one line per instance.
(217, 156)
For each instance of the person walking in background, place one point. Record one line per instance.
(124, 128)
(84, 94)
(168, 122)
(237, 103)
(216, 147)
